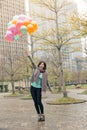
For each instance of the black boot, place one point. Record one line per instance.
(42, 117)
(39, 117)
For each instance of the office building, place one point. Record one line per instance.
(8, 9)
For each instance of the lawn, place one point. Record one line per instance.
(65, 101)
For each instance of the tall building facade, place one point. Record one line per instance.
(8, 9)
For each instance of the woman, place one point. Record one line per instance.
(39, 83)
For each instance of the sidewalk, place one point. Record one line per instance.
(18, 114)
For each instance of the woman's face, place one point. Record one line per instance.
(41, 66)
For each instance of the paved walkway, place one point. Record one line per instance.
(18, 114)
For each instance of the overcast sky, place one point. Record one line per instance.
(81, 5)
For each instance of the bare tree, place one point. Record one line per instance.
(15, 65)
(55, 30)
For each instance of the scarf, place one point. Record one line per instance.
(44, 78)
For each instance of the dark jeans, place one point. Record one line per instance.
(36, 95)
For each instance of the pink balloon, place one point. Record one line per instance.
(19, 24)
(30, 19)
(13, 29)
(9, 36)
(22, 17)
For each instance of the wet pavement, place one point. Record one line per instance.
(18, 114)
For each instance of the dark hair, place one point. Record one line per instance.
(43, 63)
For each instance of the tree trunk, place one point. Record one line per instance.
(60, 70)
(27, 83)
(13, 89)
(61, 75)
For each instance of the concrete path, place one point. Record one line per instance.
(18, 114)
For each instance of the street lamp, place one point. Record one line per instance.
(29, 38)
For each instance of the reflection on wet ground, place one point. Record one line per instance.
(18, 114)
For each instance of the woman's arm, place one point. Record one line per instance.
(32, 62)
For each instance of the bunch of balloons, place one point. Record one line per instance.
(20, 26)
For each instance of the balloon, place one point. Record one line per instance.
(30, 19)
(9, 24)
(35, 25)
(22, 17)
(23, 29)
(16, 37)
(19, 24)
(9, 36)
(14, 21)
(13, 29)
(26, 22)
(30, 28)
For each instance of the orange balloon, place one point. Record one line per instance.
(30, 28)
(26, 22)
(14, 21)
(35, 25)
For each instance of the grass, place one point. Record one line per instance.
(71, 87)
(84, 92)
(55, 90)
(83, 86)
(65, 100)
(14, 95)
(27, 97)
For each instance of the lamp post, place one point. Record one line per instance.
(29, 38)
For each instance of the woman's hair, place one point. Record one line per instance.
(43, 63)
